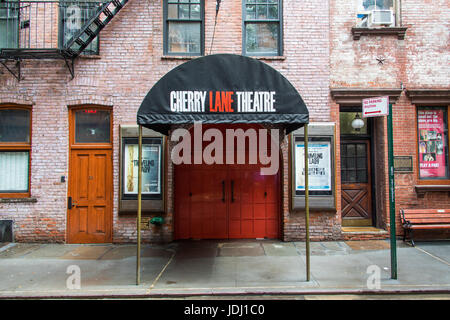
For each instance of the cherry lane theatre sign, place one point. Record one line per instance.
(221, 89)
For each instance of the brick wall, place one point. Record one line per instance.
(319, 53)
(418, 61)
(131, 61)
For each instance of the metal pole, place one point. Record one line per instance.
(307, 204)
(138, 222)
(392, 196)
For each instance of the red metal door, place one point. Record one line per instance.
(226, 202)
(253, 211)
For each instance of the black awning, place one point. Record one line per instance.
(219, 89)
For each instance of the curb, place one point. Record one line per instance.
(212, 293)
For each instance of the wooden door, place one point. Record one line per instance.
(356, 189)
(89, 219)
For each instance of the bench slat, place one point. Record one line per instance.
(420, 216)
(429, 221)
(426, 211)
(431, 226)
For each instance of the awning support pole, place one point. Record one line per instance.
(308, 266)
(138, 222)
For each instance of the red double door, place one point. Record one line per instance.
(226, 202)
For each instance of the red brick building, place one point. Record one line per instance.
(335, 53)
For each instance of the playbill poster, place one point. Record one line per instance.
(319, 166)
(151, 175)
(432, 137)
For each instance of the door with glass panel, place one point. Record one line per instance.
(356, 191)
(89, 214)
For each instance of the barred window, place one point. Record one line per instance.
(74, 14)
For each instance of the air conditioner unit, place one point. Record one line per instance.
(382, 17)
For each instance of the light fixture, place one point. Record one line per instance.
(357, 123)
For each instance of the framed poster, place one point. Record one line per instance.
(432, 143)
(151, 168)
(319, 166)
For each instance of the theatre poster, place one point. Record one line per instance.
(319, 166)
(432, 146)
(151, 175)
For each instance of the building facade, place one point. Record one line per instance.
(68, 125)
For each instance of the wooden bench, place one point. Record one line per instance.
(424, 219)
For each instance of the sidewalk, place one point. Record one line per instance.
(220, 268)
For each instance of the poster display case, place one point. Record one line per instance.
(321, 167)
(432, 131)
(153, 146)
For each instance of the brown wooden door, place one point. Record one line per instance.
(90, 175)
(90, 184)
(356, 193)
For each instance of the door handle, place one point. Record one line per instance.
(70, 203)
(223, 190)
(232, 191)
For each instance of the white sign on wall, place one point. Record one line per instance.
(375, 107)
(319, 166)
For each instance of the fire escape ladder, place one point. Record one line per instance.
(92, 28)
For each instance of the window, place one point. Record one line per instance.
(9, 23)
(15, 147)
(433, 143)
(262, 27)
(92, 126)
(74, 14)
(354, 162)
(345, 120)
(184, 27)
(376, 13)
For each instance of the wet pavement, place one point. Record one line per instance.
(202, 268)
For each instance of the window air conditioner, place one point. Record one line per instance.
(381, 17)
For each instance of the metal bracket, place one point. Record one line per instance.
(70, 65)
(17, 74)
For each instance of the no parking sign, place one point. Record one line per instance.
(375, 107)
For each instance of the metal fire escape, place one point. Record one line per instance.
(51, 29)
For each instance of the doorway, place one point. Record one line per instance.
(356, 171)
(226, 201)
(90, 192)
